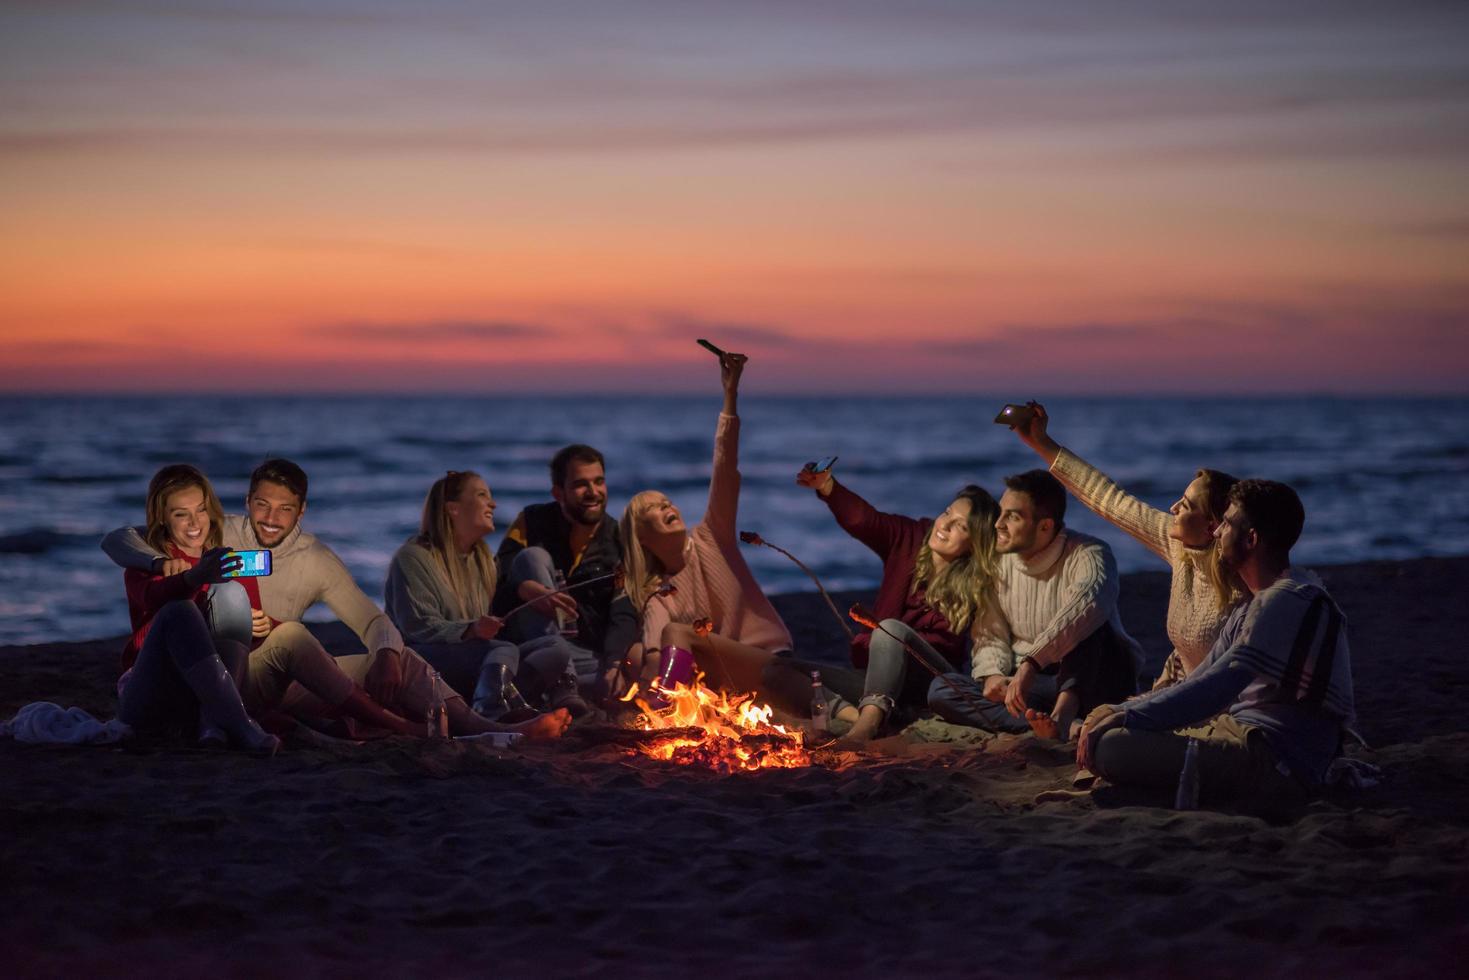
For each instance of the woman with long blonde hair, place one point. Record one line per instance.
(438, 593)
(1202, 593)
(938, 584)
(708, 574)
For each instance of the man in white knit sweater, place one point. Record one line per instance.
(1054, 647)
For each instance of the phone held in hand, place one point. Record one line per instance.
(253, 563)
(710, 347)
(821, 465)
(1014, 415)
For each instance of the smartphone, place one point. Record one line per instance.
(710, 347)
(1014, 415)
(253, 564)
(821, 465)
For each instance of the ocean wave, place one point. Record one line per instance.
(43, 540)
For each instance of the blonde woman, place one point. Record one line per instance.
(440, 584)
(938, 583)
(706, 569)
(1202, 592)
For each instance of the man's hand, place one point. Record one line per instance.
(1019, 687)
(995, 687)
(1102, 720)
(821, 481)
(260, 624)
(169, 567)
(384, 678)
(212, 568)
(485, 628)
(1033, 433)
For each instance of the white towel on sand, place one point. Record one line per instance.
(44, 723)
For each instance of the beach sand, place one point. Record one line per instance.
(966, 857)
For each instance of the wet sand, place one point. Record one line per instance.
(939, 852)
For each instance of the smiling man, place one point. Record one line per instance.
(569, 535)
(1058, 643)
(1269, 705)
(305, 572)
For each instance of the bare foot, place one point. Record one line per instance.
(1042, 724)
(549, 725)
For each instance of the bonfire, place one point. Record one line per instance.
(716, 731)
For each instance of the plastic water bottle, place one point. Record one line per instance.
(565, 622)
(820, 718)
(1188, 779)
(438, 715)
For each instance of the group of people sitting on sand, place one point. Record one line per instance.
(995, 615)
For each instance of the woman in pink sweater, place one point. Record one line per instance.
(704, 566)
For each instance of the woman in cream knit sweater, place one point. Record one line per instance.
(1201, 595)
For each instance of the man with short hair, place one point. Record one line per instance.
(1055, 639)
(304, 572)
(1280, 673)
(572, 536)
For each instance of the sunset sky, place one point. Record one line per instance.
(876, 196)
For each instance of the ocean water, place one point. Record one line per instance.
(1381, 478)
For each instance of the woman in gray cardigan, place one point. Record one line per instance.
(438, 593)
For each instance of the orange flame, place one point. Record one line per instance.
(737, 735)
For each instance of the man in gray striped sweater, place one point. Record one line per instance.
(1280, 672)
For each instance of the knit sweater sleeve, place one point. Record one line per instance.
(1100, 494)
(991, 652)
(127, 549)
(418, 602)
(1200, 696)
(351, 604)
(724, 483)
(1089, 591)
(879, 531)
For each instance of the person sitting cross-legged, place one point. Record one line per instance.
(1280, 673)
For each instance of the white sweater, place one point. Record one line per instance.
(1194, 618)
(1048, 605)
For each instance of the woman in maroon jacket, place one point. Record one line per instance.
(938, 580)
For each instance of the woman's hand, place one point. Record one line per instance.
(486, 628)
(1033, 433)
(260, 624)
(819, 480)
(731, 366)
(213, 567)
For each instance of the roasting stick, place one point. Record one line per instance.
(750, 537)
(617, 574)
(868, 618)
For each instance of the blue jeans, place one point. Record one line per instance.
(155, 697)
(472, 668)
(536, 565)
(968, 706)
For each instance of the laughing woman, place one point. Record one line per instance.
(1202, 593)
(938, 583)
(191, 630)
(706, 570)
(438, 593)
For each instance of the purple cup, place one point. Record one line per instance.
(675, 667)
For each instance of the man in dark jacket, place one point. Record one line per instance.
(572, 539)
